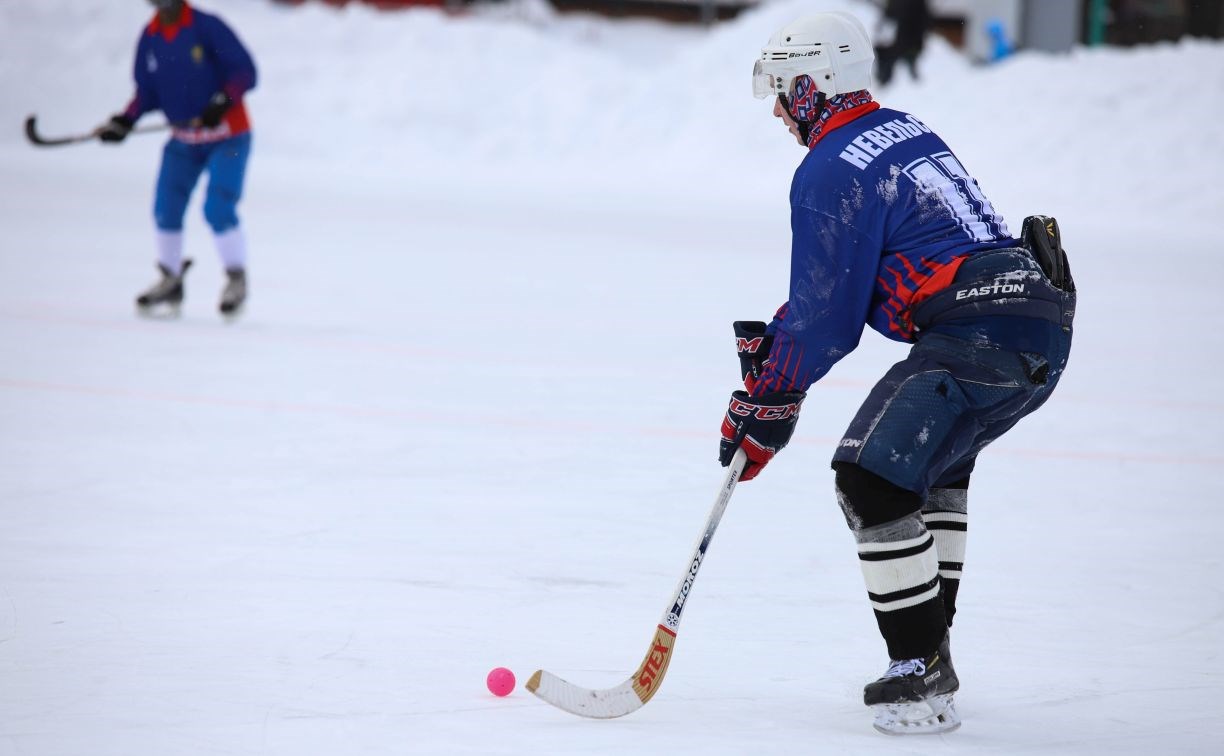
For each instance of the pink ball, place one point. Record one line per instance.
(500, 681)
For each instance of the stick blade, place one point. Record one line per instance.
(608, 703)
(31, 132)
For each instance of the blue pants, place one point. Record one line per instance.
(981, 363)
(181, 166)
(927, 419)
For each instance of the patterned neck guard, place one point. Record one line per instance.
(805, 101)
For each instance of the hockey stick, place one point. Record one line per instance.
(633, 693)
(31, 132)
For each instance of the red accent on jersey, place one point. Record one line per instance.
(170, 31)
(938, 281)
(778, 375)
(237, 119)
(837, 120)
(914, 286)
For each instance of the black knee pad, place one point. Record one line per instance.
(960, 485)
(868, 500)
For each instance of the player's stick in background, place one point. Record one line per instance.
(31, 132)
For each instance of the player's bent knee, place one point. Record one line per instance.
(169, 215)
(221, 216)
(867, 500)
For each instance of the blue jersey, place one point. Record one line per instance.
(180, 66)
(882, 215)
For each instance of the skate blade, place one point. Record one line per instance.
(162, 311)
(931, 717)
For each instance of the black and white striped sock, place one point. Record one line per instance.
(946, 517)
(901, 569)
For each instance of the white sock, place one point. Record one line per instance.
(231, 246)
(170, 250)
(945, 515)
(900, 564)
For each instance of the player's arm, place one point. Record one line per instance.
(832, 276)
(833, 270)
(236, 67)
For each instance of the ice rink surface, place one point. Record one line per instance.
(469, 418)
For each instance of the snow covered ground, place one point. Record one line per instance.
(470, 416)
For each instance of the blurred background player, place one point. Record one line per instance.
(900, 36)
(193, 68)
(890, 230)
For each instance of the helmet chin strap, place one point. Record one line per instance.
(805, 127)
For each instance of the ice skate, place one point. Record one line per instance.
(915, 695)
(163, 299)
(234, 294)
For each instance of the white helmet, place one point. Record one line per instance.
(832, 48)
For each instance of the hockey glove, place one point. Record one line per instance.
(215, 110)
(752, 344)
(116, 129)
(761, 425)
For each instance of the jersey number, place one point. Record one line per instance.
(943, 176)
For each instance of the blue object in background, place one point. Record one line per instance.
(1000, 47)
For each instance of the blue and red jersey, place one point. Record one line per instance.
(882, 215)
(180, 66)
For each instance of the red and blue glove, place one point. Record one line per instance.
(753, 345)
(760, 425)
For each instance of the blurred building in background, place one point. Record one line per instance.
(989, 29)
(985, 29)
(1131, 22)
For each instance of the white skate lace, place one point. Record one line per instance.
(903, 667)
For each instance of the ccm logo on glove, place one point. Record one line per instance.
(762, 412)
(761, 426)
(751, 346)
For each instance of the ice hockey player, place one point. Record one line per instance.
(890, 230)
(193, 68)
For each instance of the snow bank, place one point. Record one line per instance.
(517, 90)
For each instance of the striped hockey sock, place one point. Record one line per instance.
(901, 569)
(946, 517)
